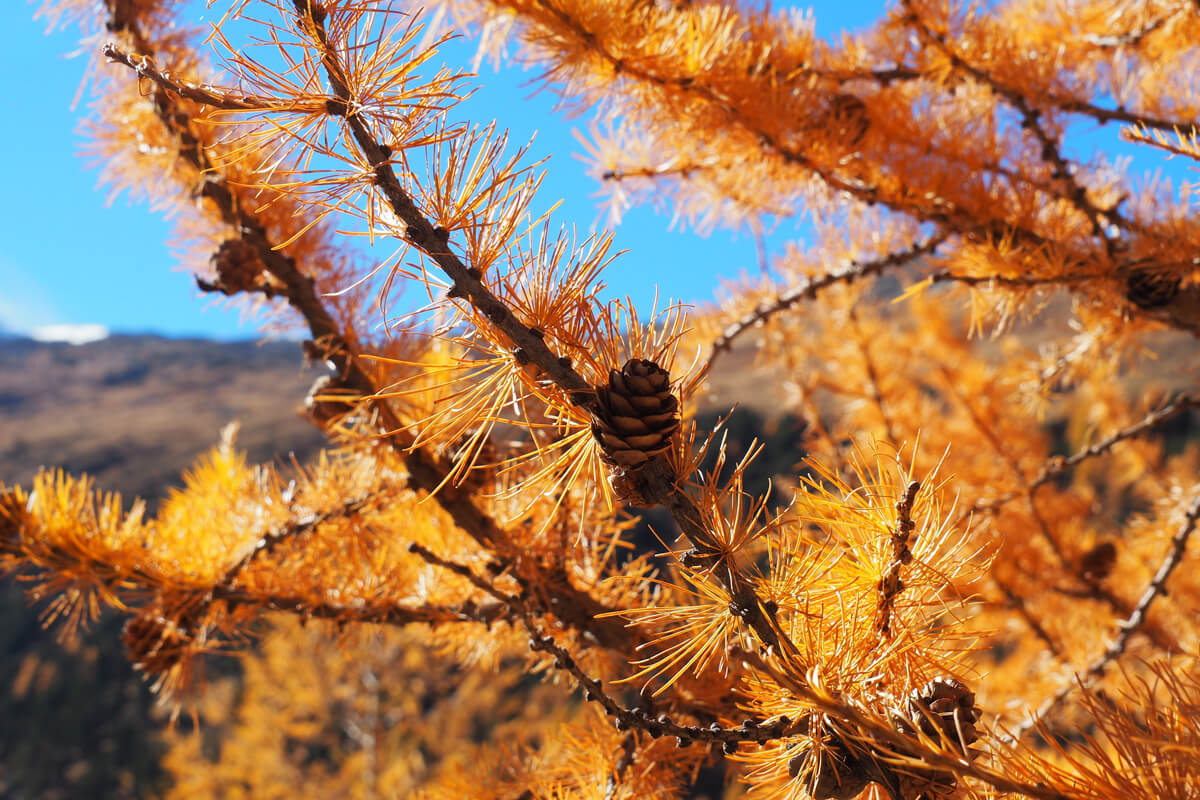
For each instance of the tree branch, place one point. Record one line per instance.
(658, 481)
(810, 287)
(576, 608)
(1063, 170)
(394, 614)
(1058, 465)
(889, 741)
(1127, 627)
(659, 726)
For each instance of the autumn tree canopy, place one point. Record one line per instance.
(983, 581)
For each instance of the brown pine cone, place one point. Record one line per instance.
(1148, 290)
(636, 413)
(237, 266)
(945, 709)
(1097, 563)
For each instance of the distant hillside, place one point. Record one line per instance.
(133, 411)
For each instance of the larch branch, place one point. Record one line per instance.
(1012, 281)
(271, 540)
(750, 730)
(624, 718)
(371, 613)
(576, 608)
(1057, 466)
(936, 210)
(658, 482)
(204, 94)
(882, 735)
(1054, 467)
(1051, 151)
(1127, 627)
(808, 289)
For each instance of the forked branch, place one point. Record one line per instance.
(1051, 151)
(424, 472)
(658, 482)
(1127, 627)
(1057, 466)
(810, 287)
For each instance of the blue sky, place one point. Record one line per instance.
(68, 256)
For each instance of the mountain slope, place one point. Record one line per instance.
(132, 411)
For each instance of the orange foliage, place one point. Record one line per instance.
(955, 603)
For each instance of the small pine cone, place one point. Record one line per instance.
(1097, 563)
(848, 119)
(636, 413)
(237, 266)
(154, 644)
(945, 709)
(1147, 290)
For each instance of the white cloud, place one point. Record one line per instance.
(74, 334)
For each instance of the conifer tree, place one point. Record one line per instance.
(958, 600)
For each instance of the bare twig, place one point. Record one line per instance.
(394, 614)
(659, 726)
(624, 718)
(1127, 627)
(464, 572)
(618, 175)
(1015, 281)
(808, 289)
(269, 541)
(1119, 114)
(204, 94)
(1057, 466)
